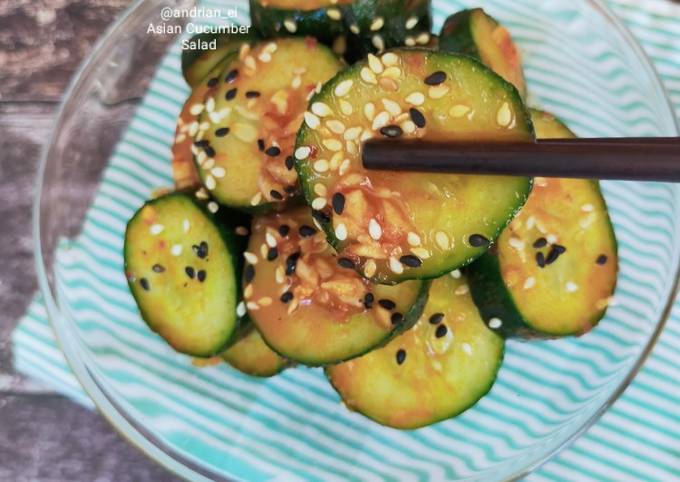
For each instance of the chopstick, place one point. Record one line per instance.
(631, 159)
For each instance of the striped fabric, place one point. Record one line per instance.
(292, 427)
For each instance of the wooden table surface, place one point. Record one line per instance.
(43, 436)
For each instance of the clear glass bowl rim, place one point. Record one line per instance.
(150, 445)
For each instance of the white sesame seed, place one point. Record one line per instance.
(415, 98)
(504, 115)
(495, 323)
(587, 208)
(302, 152)
(256, 199)
(462, 290)
(456, 274)
(336, 126)
(411, 22)
(571, 287)
(186, 225)
(290, 24)
(368, 76)
(210, 182)
(252, 306)
(320, 189)
(442, 240)
(380, 120)
(311, 120)
(249, 61)
(240, 309)
(438, 91)
(458, 110)
(408, 127)
(210, 104)
(392, 107)
(280, 275)
(374, 229)
(346, 108)
(343, 88)
(334, 13)
(341, 232)
(321, 109)
(375, 64)
(332, 144)
(156, 229)
(377, 24)
(369, 111)
(270, 239)
(176, 249)
(422, 253)
(208, 163)
(296, 82)
(319, 203)
(352, 133)
(529, 283)
(540, 181)
(265, 57)
(395, 265)
(467, 348)
(423, 38)
(354, 28)
(390, 59)
(218, 172)
(370, 268)
(344, 166)
(213, 207)
(378, 43)
(531, 221)
(413, 239)
(202, 194)
(390, 73)
(250, 257)
(551, 239)
(196, 109)
(516, 243)
(409, 41)
(265, 301)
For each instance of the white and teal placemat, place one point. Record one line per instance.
(638, 439)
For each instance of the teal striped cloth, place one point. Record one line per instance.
(637, 439)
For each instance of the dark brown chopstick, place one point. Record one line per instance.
(632, 159)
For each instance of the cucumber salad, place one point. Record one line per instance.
(278, 248)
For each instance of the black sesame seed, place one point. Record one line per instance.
(157, 268)
(286, 297)
(401, 356)
(601, 259)
(275, 194)
(560, 249)
(145, 284)
(231, 93)
(478, 241)
(290, 189)
(554, 253)
(273, 151)
(213, 82)
(249, 273)
(441, 331)
(272, 254)
(291, 263)
(231, 76)
(368, 300)
(321, 216)
(540, 243)
(260, 144)
(202, 143)
(290, 162)
(417, 117)
(437, 318)
(252, 94)
(391, 131)
(284, 229)
(209, 151)
(396, 318)
(346, 263)
(201, 250)
(306, 231)
(411, 261)
(435, 78)
(338, 202)
(387, 304)
(190, 272)
(540, 260)
(222, 131)
(201, 275)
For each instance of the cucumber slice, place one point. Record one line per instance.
(207, 50)
(182, 265)
(252, 356)
(436, 370)
(531, 286)
(247, 126)
(477, 34)
(184, 170)
(311, 306)
(396, 226)
(354, 28)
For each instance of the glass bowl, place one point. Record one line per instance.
(110, 149)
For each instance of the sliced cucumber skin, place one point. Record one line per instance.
(235, 246)
(244, 363)
(304, 168)
(196, 64)
(488, 288)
